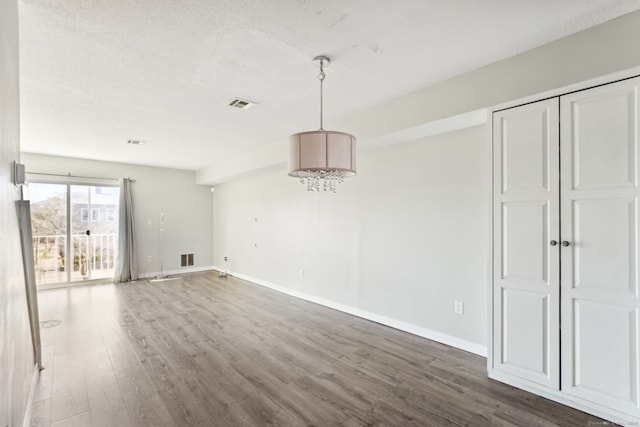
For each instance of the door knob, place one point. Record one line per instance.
(565, 243)
(553, 242)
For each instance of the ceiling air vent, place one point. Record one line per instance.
(243, 104)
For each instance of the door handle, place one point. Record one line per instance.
(565, 243)
(88, 232)
(553, 242)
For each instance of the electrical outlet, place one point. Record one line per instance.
(226, 258)
(149, 258)
(458, 307)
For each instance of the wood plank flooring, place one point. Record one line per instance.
(204, 351)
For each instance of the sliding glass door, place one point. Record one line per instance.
(75, 231)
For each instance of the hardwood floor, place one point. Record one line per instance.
(204, 351)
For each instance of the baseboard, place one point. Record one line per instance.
(178, 271)
(387, 321)
(32, 391)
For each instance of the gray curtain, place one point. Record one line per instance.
(127, 263)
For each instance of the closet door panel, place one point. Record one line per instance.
(529, 313)
(525, 240)
(524, 157)
(605, 350)
(599, 222)
(526, 288)
(604, 140)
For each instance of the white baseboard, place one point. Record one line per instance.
(178, 271)
(32, 391)
(394, 323)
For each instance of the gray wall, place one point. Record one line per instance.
(399, 243)
(16, 353)
(410, 234)
(187, 208)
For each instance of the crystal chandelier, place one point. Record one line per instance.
(321, 159)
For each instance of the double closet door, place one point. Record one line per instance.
(565, 249)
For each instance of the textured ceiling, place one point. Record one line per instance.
(95, 73)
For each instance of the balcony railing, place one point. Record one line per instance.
(91, 257)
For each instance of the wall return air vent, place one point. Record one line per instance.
(186, 260)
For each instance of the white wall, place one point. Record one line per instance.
(187, 208)
(403, 240)
(16, 352)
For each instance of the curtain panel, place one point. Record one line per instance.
(126, 268)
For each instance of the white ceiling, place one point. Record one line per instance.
(96, 73)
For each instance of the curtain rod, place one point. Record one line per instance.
(76, 176)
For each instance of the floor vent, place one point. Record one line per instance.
(186, 260)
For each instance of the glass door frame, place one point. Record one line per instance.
(68, 181)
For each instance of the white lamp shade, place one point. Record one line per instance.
(322, 150)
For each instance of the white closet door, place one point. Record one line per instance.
(599, 222)
(526, 219)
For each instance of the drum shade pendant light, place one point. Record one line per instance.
(321, 159)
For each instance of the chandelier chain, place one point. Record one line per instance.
(321, 77)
